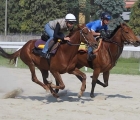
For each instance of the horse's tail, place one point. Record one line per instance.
(12, 56)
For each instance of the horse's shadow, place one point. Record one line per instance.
(112, 96)
(64, 96)
(71, 97)
(118, 96)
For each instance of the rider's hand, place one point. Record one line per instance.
(67, 38)
(102, 33)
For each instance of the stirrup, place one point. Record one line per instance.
(48, 55)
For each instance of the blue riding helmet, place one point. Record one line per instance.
(106, 16)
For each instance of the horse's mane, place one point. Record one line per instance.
(114, 31)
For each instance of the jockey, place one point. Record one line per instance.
(95, 27)
(53, 27)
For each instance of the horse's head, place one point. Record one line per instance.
(128, 35)
(86, 36)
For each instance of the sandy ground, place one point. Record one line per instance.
(119, 101)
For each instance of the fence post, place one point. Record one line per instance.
(85, 68)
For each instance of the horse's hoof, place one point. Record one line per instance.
(105, 86)
(56, 90)
(80, 94)
(91, 95)
(59, 100)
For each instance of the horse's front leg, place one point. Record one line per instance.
(106, 77)
(82, 77)
(96, 73)
(59, 80)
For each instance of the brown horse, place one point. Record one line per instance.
(107, 54)
(63, 61)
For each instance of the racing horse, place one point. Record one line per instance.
(107, 54)
(63, 61)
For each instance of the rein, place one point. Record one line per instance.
(119, 49)
(114, 42)
(81, 33)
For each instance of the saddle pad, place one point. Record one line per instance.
(40, 44)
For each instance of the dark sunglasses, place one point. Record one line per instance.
(71, 23)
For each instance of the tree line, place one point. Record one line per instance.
(26, 16)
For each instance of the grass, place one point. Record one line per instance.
(5, 62)
(123, 66)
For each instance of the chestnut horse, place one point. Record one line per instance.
(63, 61)
(107, 54)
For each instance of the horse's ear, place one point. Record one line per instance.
(123, 24)
(78, 27)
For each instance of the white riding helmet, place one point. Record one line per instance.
(70, 17)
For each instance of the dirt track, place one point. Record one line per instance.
(120, 100)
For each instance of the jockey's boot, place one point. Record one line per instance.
(91, 56)
(51, 44)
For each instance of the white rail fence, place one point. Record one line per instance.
(18, 45)
(12, 45)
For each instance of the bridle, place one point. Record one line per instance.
(117, 43)
(81, 35)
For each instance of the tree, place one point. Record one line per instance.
(2, 16)
(79, 6)
(30, 15)
(14, 15)
(114, 7)
(134, 21)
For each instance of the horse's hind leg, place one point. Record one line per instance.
(100, 83)
(57, 84)
(94, 81)
(45, 76)
(106, 77)
(82, 77)
(34, 78)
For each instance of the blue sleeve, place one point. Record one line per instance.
(94, 26)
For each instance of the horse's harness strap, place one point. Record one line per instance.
(69, 43)
(114, 42)
(124, 36)
(81, 33)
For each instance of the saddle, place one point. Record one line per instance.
(40, 43)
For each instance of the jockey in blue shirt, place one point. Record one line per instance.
(95, 27)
